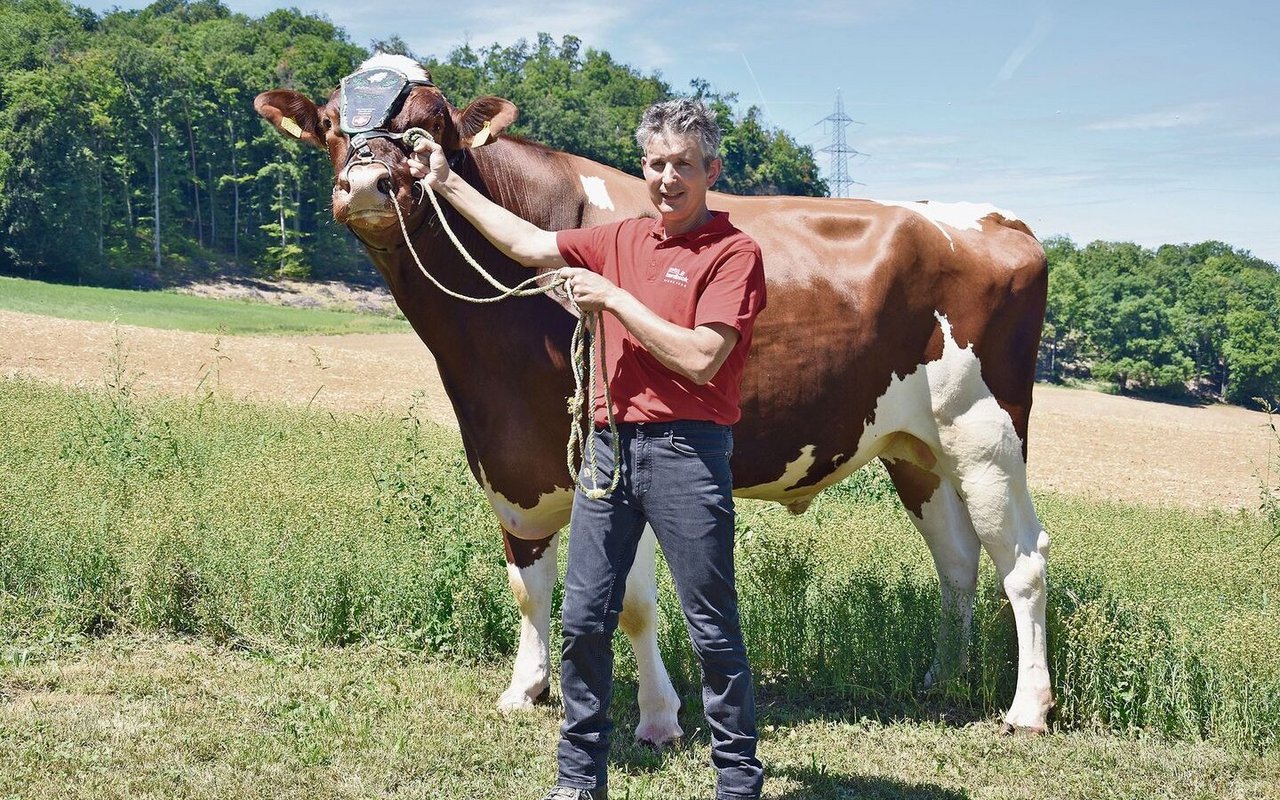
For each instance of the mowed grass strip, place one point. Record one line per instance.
(243, 524)
(163, 717)
(172, 311)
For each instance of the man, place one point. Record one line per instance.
(682, 294)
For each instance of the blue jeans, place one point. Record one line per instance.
(675, 476)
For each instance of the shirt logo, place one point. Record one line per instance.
(676, 277)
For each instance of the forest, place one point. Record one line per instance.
(130, 155)
(1190, 321)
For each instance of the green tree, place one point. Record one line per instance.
(1127, 319)
(584, 102)
(1065, 313)
(1252, 355)
(285, 254)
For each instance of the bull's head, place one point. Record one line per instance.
(362, 127)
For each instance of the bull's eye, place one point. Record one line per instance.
(326, 124)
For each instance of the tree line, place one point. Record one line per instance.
(130, 153)
(1198, 320)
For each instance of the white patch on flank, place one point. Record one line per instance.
(597, 192)
(412, 69)
(961, 216)
(777, 490)
(548, 515)
(931, 401)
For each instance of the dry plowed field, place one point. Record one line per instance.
(1082, 442)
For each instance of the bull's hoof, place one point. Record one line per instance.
(659, 735)
(1009, 729)
(1028, 718)
(515, 700)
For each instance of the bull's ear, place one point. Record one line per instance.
(292, 114)
(482, 121)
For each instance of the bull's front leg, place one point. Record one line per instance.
(531, 573)
(659, 703)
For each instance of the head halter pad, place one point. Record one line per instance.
(371, 97)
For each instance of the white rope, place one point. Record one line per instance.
(582, 348)
(585, 349)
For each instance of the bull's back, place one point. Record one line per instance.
(857, 291)
(858, 295)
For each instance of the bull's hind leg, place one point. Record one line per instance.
(531, 573)
(659, 703)
(988, 461)
(934, 506)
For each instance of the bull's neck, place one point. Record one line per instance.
(531, 182)
(511, 337)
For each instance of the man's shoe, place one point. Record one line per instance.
(570, 793)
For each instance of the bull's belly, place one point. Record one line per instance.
(909, 421)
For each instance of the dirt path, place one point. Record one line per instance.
(1081, 442)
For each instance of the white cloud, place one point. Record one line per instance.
(1044, 23)
(841, 13)
(503, 22)
(887, 144)
(930, 166)
(1265, 130)
(589, 21)
(1184, 117)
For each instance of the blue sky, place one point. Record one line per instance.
(1126, 120)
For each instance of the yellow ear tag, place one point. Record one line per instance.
(483, 136)
(292, 127)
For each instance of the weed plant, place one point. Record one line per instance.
(255, 525)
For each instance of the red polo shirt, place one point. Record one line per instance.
(711, 274)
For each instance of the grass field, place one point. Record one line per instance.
(204, 598)
(146, 717)
(173, 311)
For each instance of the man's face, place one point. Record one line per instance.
(678, 180)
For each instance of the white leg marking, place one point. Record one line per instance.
(532, 585)
(1019, 547)
(955, 549)
(946, 405)
(658, 700)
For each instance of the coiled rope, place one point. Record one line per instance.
(587, 347)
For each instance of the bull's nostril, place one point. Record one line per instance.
(384, 185)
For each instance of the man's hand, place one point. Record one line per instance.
(436, 171)
(591, 291)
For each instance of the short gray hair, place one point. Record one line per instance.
(685, 117)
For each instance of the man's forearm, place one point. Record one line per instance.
(696, 354)
(519, 239)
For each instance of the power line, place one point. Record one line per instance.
(840, 150)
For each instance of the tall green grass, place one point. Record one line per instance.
(252, 524)
(172, 311)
